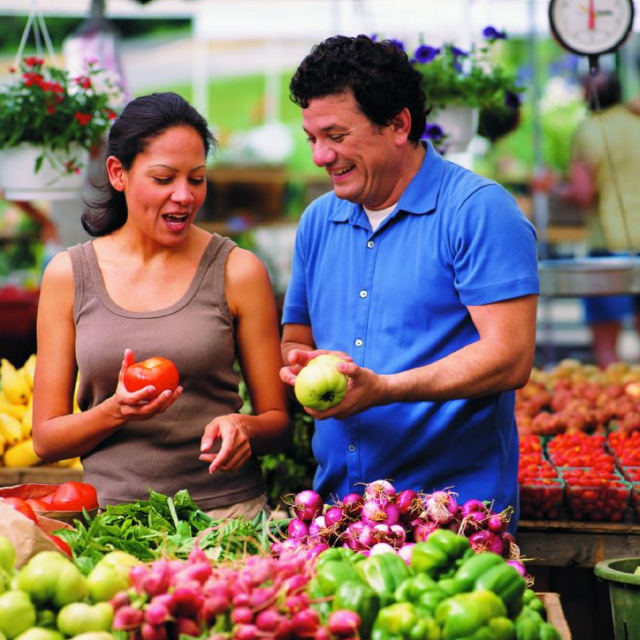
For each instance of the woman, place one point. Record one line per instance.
(153, 284)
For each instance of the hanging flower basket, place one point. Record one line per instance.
(459, 123)
(60, 175)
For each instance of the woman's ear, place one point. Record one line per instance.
(116, 173)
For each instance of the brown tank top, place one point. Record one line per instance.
(197, 333)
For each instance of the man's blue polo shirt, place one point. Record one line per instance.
(395, 300)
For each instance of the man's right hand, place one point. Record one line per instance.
(299, 358)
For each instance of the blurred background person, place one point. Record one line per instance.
(603, 181)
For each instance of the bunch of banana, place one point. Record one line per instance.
(16, 416)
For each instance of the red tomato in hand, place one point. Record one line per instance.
(60, 543)
(38, 505)
(22, 507)
(73, 496)
(158, 372)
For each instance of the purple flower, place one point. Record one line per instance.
(425, 53)
(433, 132)
(459, 53)
(397, 43)
(492, 34)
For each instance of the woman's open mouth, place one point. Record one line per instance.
(176, 222)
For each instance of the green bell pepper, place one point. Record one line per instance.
(473, 568)
(430, 599)
(361, 598)
(503, 628)
(402, 621)
(384, 573)
(538, 606)
(464, 616)
(549, 632)
(412, 588)
(528, 625)
(505, 582)
(334, 553)
(452, 544)
(439, 553)
(333, 573)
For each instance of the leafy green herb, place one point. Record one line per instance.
(169, 527)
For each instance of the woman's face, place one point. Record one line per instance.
(166, 185)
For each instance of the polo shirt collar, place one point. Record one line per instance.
(420, 196)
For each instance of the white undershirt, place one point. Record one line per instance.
(376, 217)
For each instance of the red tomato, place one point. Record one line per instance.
(37, 504)
(47, 499)
(158, 372)
(60, 543)
(22, 507)
(73, 496)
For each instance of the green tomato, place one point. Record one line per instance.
(320, 385)
(38, 579)
(121, 561)
(93, 635)
(17, 613)
(104, 582)
(39, 633)
(71, 586)
(80, 617)
(5, 580)
(7, 554)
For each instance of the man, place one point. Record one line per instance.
(422, 272)
(603, 180)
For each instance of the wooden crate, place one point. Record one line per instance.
(44, 474)
(555, 615)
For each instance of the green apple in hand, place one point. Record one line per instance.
(320, 385)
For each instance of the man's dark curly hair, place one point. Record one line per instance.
(379, 74)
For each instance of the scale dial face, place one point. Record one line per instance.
(591, 27)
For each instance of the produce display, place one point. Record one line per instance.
(447, 592)
(16, 415)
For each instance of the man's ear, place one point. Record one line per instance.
(401, 124)
(116, 173)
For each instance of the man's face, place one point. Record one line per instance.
(360, 156)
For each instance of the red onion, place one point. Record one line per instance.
(441, 507)
(408, 502)
(308, 504)
(422, 529)
(519, 567)
(268, 620)
(375, 512)
(352, 505)
(153, 632)
(245, 632)
(335, 517)
(297, 528)
(352, 535)
(365, 538)
(496, 523)
(474, 505)
(511, 549)
(381, 490)
(406, 552)
(381, 547)
(305, 622)
(318, 527)
(398, 535)
(381, 533)
(482, 541)
(472, 522)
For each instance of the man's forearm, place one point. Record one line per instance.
(479, 369)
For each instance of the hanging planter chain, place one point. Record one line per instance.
(36, 19)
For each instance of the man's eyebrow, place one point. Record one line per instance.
(328, 128)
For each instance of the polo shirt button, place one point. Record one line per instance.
(359, 342)
(370, 244)
(363, 294)
(352, 447)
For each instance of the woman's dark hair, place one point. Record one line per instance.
(379, 74)
(142, 120)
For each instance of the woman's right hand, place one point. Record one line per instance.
(140, 405)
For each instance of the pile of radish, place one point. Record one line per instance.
(384, 519)
(257, 597)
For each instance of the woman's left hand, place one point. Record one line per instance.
(235, 449)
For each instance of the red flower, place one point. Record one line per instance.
(51, 110)
(84, 82)
(83, 118)
(33, 61)
(111, 115)
(32, 78)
